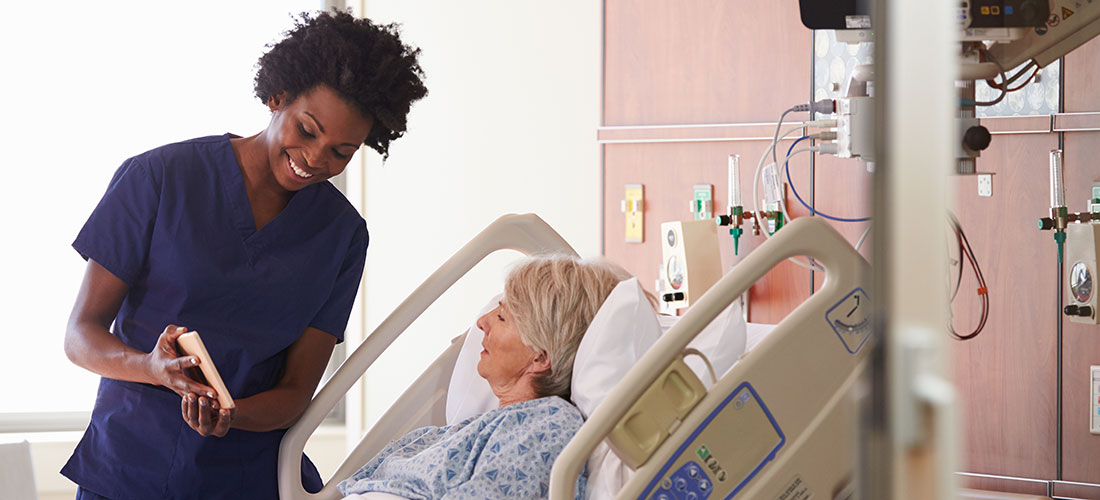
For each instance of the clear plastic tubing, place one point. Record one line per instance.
(1057, 190)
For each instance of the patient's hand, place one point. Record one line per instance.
(203, 415)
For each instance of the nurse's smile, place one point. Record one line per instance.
(298, 171)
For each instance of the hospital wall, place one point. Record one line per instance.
(688, 83)
(507, 127)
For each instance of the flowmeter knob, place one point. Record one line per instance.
(977, 138)
(1076, 310)
(723, 220)
(1046, 223)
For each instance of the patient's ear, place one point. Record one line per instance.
(540, 364)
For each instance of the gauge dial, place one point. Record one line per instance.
(1080, 282)
(675, 271)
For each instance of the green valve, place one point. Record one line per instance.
(736, 233)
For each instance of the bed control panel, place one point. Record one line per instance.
(689, 482)
(724, 453)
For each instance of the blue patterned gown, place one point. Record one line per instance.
(506, 452)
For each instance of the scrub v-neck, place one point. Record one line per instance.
(243, 219)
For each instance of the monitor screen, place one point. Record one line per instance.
(835, 14)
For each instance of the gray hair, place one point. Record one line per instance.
(553, 299)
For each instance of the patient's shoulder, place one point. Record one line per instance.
(551, 413)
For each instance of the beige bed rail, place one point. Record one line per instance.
(845, 270)
(526, 233)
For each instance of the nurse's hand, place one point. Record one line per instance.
(166, 367)
(204, 416)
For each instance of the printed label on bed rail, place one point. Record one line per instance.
(796, 490)
(851, 319)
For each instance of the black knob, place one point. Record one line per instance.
(1076, 310)
(1030, 14)
(723, 220)
(977, 138)
(1046, 223)
(672, 297)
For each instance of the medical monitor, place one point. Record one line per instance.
(835, 14)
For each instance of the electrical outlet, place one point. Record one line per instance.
(633, 205)
(1094, 400)
(985, 184)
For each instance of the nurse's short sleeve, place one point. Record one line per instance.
(333, 316)
(117, 235)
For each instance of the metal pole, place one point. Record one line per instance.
(912, 437)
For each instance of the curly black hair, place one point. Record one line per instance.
(365, 63)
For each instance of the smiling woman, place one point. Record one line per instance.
(244, 240)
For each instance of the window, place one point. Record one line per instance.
(87, 85)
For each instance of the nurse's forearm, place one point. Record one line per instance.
(276, 409)
(92, 347)
(88, 344)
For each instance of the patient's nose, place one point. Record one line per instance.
(483, 323)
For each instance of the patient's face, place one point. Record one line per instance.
(504, 357)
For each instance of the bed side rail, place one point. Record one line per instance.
(802, 237)
(526, 233)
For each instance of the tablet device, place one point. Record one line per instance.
(191, 344)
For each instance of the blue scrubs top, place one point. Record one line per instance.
(176, 226)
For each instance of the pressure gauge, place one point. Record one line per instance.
(675, 270)
(671, 236)
(1080, 282)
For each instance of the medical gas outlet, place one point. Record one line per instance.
(702, 203)
(692, 261)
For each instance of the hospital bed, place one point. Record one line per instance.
(780, 424)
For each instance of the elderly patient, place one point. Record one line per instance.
(531, 338)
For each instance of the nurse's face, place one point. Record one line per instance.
(313, 137)
(505, 357)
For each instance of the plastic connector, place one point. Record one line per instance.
(824, 106)
(829, 135)
(829, 123)
(828, 148)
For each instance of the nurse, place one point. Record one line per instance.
(243, 240)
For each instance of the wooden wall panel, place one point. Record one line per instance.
(842, 188)
(1080, 72)
(668, 171)
(1080, 343)
(1006, 377)
(703, 61)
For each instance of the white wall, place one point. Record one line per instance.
(509, 126)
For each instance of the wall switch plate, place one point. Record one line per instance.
(1094, 400)
(985, 184)
(634, 208)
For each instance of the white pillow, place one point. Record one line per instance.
(468, 394)
(723, 341)
(622, 331)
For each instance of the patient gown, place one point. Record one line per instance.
(505, 452)
(176, 227)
